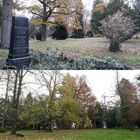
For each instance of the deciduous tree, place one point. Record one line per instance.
(117, 28)
(82, 93)
(17, 90)
(51, 81)
(49, 11)
(128, 99)
(102, 10)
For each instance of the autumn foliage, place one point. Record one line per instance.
(56, 12)
(117, 28)
(77, 89)
(129, 105)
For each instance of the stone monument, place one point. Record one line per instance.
(19, 57)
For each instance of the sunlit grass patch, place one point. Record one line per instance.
(94, 134)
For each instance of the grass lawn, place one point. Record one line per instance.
(95, 134)
(93, 47)
(89, 47)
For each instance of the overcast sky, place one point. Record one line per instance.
(101, 82)
(88, 4)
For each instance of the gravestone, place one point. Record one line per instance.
(19, 56)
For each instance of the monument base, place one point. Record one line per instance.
(19, 63)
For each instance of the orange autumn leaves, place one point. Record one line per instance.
(66, 12)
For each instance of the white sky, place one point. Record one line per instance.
(102, 82)
(88, 4)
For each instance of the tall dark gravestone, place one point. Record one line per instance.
(19, 56)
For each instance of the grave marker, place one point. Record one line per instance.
(19, 56)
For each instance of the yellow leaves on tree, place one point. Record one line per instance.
(65, 12)
(37, 21)
(100, 7)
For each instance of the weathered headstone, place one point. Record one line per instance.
(19, 56)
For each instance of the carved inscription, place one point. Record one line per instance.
(19, 47)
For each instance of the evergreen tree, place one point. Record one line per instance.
(60, 32)
(137, 13)
(97, 16)
(100, 11)
(128, 98)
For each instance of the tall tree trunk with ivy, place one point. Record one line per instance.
(6, 23)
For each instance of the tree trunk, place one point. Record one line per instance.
(44, 30)
(6, 23)
(16, 96)
(6, 97)
(50, 127)
(14, 111)
(114, 47)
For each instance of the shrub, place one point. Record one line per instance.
(57, 60)
(117, 28)
(2, 63)
(60, 32)
(101, 11)
(39, 36)
(89, 34)
(3, 130)
(78, 33)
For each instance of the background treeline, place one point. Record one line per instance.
(72, 19)
(62, 101)
(117, 20)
